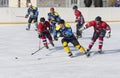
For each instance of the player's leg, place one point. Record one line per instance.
(43, 37)
(77, 45)
(101, 39)
(29, 23)
(79, 33)
(66, 47)
(52, 27)
(48, 35)
(93, 40)
(100, 44)
(36, 23)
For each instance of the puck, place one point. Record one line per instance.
(16, 57)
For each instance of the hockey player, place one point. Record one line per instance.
(68, 37)
(53, 18)
(32, 13)
(101, 29)
(79, 20)
(43, 32)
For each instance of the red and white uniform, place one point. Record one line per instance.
(99, 32)
(79, 17)
(98, 27)
(44, 29)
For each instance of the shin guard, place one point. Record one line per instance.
(81, 48)
(66, 48)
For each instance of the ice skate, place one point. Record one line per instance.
(27, 28)
(70, 54)
(88, 53)
(52, 44)
(35, 29)
(100, 52)
(47, 47)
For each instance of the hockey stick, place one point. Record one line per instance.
(21, 16)
(39, 47)
(37, 50)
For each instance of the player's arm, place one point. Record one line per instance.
(68, 31)
(36, 12)
(28, 13)
(49, 17)
(108, 31)
(39, 28)
(48, 26)
(89, 24)
(57, 30)
(57, 16)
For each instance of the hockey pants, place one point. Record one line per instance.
(96, 36)
(74, 42)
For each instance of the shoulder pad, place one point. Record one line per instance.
(57, 27)
(67, 25)
(49, 13)
(56, 13)
(35, 8)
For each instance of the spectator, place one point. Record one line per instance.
(117, 3)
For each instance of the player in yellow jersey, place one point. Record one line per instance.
(53, 18)
(68, 37)
(32, 13)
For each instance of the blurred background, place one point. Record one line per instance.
(60, 3)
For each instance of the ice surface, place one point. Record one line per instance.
(15, 41)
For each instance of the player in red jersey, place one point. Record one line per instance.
(79, 20)
(43, 31)
(101, 28)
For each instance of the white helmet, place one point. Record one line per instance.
(29, 4)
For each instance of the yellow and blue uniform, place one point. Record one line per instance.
(32, 12)
(53, 18)
(65, 32)
(68, 36)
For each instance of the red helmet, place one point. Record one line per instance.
(51, 9)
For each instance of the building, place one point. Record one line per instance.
(16, 3)
(51, 3)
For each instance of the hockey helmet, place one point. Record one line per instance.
(29, 4)
(52, 9)
(75, 7)
(98, 18)
(61, 21)
(42, 19)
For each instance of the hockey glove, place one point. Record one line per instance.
(55, 38)
(40, 35)
(76, 20)
(81, 29)
(26, 16)
(108, 34)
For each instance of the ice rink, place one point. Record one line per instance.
(15, 41)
